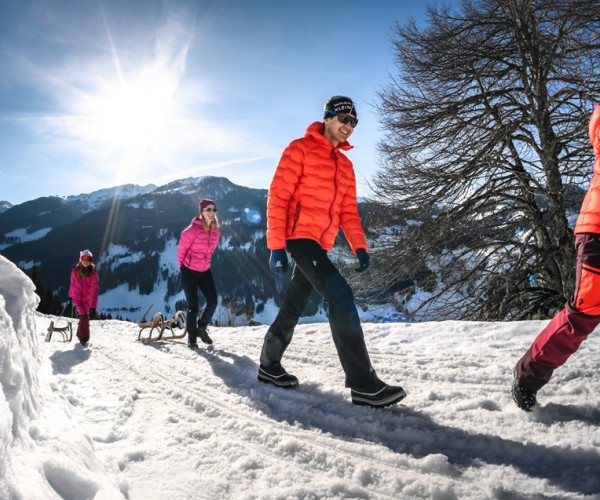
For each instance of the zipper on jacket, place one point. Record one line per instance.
(296, 217)
(335, 185)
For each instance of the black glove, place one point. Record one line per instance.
(363, 260)
(92, 313)
(278, 262)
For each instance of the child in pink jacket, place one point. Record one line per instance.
(196, 246)
(84, 293)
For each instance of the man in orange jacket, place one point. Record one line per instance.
(312, 195)
(571, 326)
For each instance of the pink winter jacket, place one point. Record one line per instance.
(197, 245)
(84, 291)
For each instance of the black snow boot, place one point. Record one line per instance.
(203, 334)
(277, 376)
(386, 396)
(525, 398)
(192, 344)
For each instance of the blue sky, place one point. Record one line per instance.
(97, 93)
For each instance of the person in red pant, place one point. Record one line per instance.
(84, 293)
(571, 326)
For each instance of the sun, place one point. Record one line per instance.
(133, 114)
(133, 118)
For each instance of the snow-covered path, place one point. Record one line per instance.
(169, 422)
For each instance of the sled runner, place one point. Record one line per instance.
(66, 332)
(178, 321)
(159, 324)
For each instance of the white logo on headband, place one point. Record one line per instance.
(343, 107)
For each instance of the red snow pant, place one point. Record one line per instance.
(83, 328)
(571, 326)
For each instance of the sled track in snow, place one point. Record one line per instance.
(397, 435)
(181, 387)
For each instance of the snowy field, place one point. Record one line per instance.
(126, 420)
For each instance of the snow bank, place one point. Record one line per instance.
(43, 456)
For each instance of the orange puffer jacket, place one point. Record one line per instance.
(313, 193)
(589, 215)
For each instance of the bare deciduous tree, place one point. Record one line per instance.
(487, 155)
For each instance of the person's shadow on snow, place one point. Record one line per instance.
(64, 361)
(411, 432)
(232, 368)
(551, 413)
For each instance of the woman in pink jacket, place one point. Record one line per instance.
(196, 246)
(84, 292)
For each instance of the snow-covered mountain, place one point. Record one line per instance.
(96, 199)
(5, 205)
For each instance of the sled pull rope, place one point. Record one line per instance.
(143, 320)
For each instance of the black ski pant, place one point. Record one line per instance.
(191, 281)
(313, 270)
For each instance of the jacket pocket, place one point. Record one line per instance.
(587, 295)
(296, 217)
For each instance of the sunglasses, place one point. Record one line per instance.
(86, 258)
(346, 119)
(210, 209)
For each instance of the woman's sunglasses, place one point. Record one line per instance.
(210, 209)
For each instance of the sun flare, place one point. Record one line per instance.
(133, 118)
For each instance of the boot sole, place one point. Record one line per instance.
(520, 404)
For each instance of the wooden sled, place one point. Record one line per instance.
(66, 332)
(159, 324)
